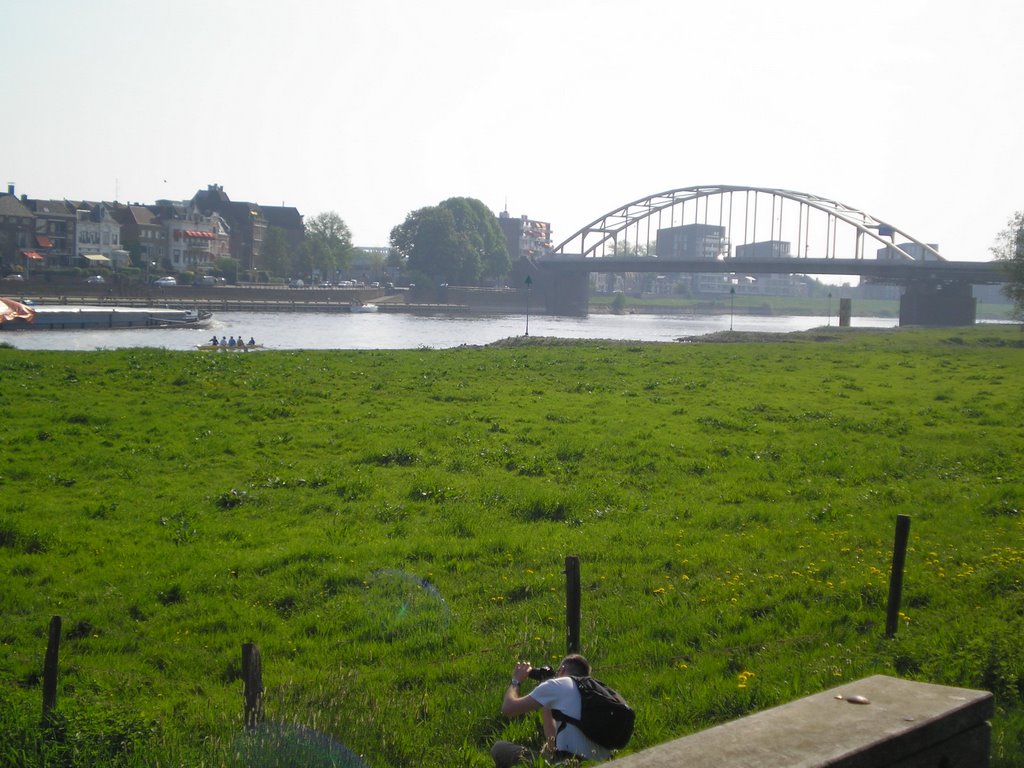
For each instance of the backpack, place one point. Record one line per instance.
(605, 717)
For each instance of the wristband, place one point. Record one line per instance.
(515, 683)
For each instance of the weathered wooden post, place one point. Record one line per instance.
(572, 604)
(899, 559)
(50, 669)
(252, 682)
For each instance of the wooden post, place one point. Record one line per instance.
(572, 604)
(899, 559)
(50, 669)
(252, 680)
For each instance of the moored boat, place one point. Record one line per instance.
(359, 306)
(18, 316)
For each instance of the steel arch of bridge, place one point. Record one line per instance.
(594, 239)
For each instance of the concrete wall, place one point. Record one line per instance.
(880, 721)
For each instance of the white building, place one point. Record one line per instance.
(98, 237)
(196, 240)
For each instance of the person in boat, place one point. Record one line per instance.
(223, 341)
(214, 342)
(252, 342)
(231, 341)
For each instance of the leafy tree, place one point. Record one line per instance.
(427, 238)
(483, 234)
(328, 244)
(1010, 249)
(275, 253)
(458, 241)
(635, 249)
(228, 268)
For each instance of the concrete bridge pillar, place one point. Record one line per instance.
(559, 293)
(938, 304)
(567, 294)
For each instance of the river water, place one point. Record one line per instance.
(302, 330)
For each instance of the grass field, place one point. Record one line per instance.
(391, 529)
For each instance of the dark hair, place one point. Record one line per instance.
(576, 665)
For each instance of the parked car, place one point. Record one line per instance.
(165, 281)
(95, 280)
(15, 277)
(296, 284)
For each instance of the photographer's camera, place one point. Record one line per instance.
(542, 673)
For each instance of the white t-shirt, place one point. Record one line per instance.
(562, 694)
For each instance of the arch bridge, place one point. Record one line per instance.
(717, 232)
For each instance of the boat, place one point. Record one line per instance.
(228, 347)
(358, 306)
(22, 316)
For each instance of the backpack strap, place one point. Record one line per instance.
(564, 719)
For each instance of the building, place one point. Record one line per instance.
(692, 241)
(914, 250)
(143, 234)
(288, 220)
(525, 238)
(17, 233)
(195, 240)
(98, 237)
(55, 231)
(766, 249)
(248, 223)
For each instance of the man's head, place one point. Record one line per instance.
(574, 665)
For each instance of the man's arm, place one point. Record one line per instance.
(513, 704)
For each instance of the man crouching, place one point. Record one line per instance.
(563, 741)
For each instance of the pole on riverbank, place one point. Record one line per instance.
(50, 669)
(899, 559)
(572, 604)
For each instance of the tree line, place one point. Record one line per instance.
(457, 241)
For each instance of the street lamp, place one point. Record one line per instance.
(830, 308)
(732, 302)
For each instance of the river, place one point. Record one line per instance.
(302, 330)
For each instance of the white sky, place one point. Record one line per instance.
(912, 110)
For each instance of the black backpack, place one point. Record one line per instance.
(605, 717)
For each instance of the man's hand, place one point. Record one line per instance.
(513, 704)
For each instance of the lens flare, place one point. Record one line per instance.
(279, 745)
(398, 602)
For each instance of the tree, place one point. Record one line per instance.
(328, 244)
(483, 235)
(635, 249)
(275, 253)
(1009, 248)
(458, 241)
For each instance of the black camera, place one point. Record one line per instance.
(542, 673)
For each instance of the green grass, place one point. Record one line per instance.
(391, 529)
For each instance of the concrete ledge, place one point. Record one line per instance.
(906, 724)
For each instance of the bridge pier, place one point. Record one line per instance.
(562, 293)
(938, 304)
(567, 294)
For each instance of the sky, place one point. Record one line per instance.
(562, 110)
